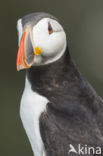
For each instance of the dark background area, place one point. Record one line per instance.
(83, 22)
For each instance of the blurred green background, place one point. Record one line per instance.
(83, 22)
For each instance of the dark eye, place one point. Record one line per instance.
(50, 29)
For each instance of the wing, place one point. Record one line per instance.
(74, 116)
(59, 130)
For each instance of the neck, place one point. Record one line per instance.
(51, 77)
(61, 83)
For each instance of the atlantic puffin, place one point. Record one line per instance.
(58, 106)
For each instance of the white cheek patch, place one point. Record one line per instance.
(53, 45)
(19, 28)
(40, 32)
(58, 55)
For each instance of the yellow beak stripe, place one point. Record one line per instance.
(37, 51)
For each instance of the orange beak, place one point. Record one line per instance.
(26, 53)
(21, 56)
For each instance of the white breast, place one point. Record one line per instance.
(32, 105)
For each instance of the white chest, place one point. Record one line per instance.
(32, 105)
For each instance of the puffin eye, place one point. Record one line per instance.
(50, 29)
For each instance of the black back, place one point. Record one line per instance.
(74, 114)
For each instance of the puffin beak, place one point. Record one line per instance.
(25, 54)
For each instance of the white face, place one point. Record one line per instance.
(52, 44)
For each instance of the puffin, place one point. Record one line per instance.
(59, 109)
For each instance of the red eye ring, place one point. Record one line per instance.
(50, 29)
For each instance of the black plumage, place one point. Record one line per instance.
(34, 18)
(74, 114)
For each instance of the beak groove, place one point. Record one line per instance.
(24, 52)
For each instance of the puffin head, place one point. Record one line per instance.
(41, 40)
